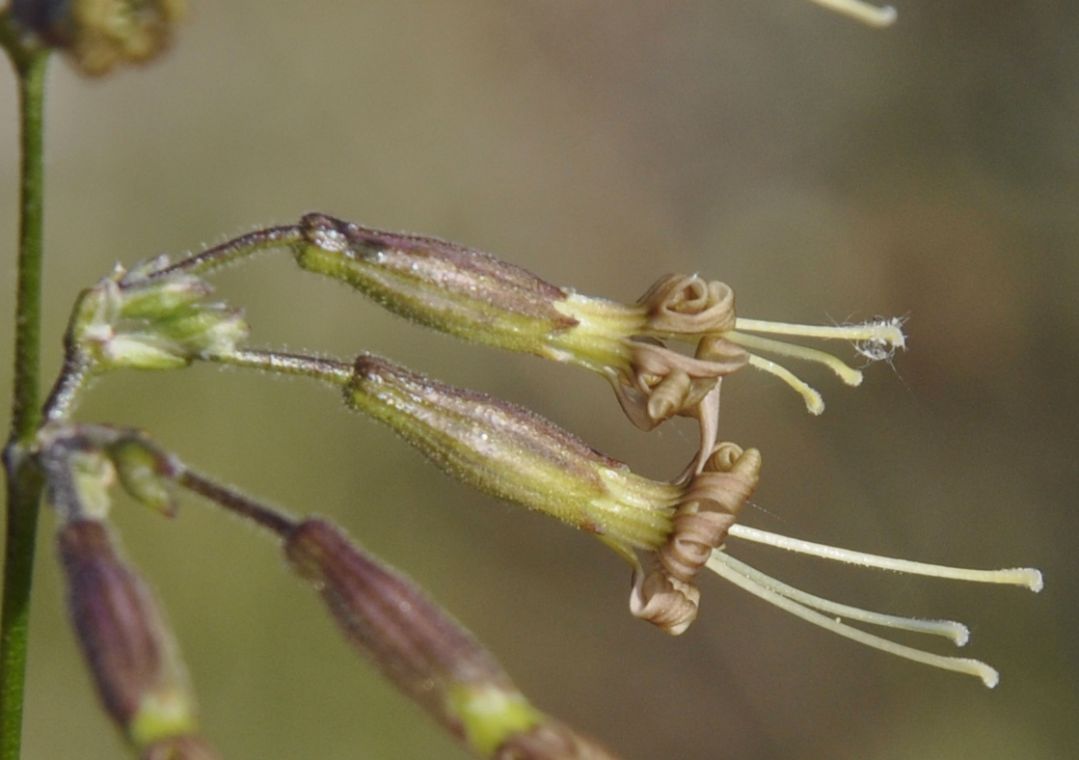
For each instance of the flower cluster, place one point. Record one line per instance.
(158, 317)
(514, 454)
(132, 319)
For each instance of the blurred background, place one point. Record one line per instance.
(827, 171)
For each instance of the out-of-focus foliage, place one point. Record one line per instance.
(825, 170)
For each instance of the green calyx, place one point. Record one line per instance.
(136, 321)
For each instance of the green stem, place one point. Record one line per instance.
(24, 483)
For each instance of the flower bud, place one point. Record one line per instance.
(144, 472)
(387, 617)
(137, 321)
(101, 34)
(417, 646)
(92, 475)
(132, 658)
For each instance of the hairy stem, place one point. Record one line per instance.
(235, 250)
(24, 482)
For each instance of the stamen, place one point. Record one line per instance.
(886, 332)
(847, 374)
(958, 633)
(1018, 576)
(861, 11)
(814, 403)
(987, 674)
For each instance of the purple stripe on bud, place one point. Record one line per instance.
(417, 646)
(123, 637)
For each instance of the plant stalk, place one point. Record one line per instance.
(24, 481)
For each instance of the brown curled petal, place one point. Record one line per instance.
(180, 748)
(689, 305)
(664, 601)
(634, 403)
(719, 350)
(665, 383)
(726, 491)
(690, 545)
(669, 396)
(551, 741)
(650, 359)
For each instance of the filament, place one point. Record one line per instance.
(887, 332)
(1018, 576)
(719, 564)
(949, 629)
(814, 403)
(847, 374)
(860, 11)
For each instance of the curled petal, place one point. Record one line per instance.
(729, 478)
(689, 305)
(664, 601)
(710, 505)
(690, 546)
(664, 383)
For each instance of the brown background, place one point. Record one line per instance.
(827, 171)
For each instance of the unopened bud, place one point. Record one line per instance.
(92, 475)
(416, 645)
(136, 321)
(132, 658)
(425, 652)
(144, 473)
(101, 34)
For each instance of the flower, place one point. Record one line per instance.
(475, 296)
(682, 526)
